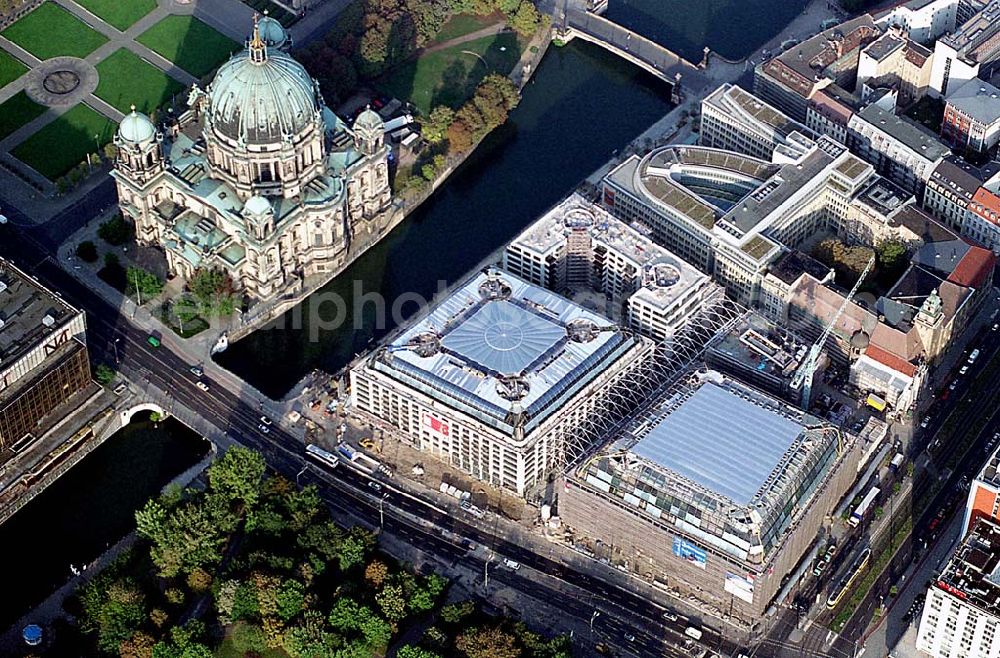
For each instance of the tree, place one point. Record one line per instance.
(354, 548)
(428, 171)
(238, 475)
(435, 127)
(87, 251)
(199, 580)
(290, 599)
(345, 616)
(213, 291)
(140, 645)
(410, 651)
(114, 608)
(393, 602)
(116, 231)
(111, 260)
(375, 573)
(376, 630)
(104, 374)
(488, 642)
(525, 19)
(248, 638)
(460, 136)
(144, 285)
(456, 612)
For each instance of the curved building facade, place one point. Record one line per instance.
(258, 178)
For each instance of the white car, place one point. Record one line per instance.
(202, 385)
(511, 564)
(263, 429)
(953, 385)
(963, 370)
(265, 420)
(197, 371)
(374, 486)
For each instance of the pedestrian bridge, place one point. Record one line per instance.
(629, 45)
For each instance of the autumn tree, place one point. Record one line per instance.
(434, 128)
(375, 573)
(488, 642)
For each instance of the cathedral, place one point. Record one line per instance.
(257, 177)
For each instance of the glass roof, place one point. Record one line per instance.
(504, 338)
(722, 441)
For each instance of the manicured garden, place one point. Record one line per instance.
(51, 31)
(11, 68)
(17, 111)
(449, 76)
(120, 14)
(63, 144)
(126, 80)
(188, 43)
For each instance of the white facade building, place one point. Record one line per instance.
(900, 149)
(578, 247)
(922, 20)
(961, 617)
(497, 378)
(735, 120)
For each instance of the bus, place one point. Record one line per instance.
(326, 458)
(837, 593)
(858, 515)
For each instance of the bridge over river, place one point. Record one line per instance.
(577, 18)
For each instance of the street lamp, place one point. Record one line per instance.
(305, 467)
(592, 618)
(115, 345)
(381, 513)
(486, 572)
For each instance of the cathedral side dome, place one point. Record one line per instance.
(257, 205)
(369, 120)
(136, 128)
(260, 96)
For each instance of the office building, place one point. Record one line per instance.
(720, 521)
(961, 615)
(734, 120)
(984, 494)
(969, 52)
(949, 191)
(982, 218)
(578, 247)
(899, 148)
(43, 358)
(496, 377)
(972, 117)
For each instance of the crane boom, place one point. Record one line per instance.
(804, 375)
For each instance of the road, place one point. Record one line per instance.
(112, 338)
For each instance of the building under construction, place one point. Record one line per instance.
(716, 490)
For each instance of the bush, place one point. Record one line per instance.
(104, 374)
(87, 251)
(116, 231)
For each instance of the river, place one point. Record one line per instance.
(581, 105)
(732, 28)
(88, 509)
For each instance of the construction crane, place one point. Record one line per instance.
(804, 375)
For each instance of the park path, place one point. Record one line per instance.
(487, 31)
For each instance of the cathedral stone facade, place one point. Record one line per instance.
(258, 177)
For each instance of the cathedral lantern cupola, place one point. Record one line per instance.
(140, 152)
(369, 132)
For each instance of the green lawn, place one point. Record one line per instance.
(120, 14)
(188, 43)
(462, 24)
(127, 79)
(449, 76)
(17, 111)
(51, 31)
(11, 68)
(64, 143)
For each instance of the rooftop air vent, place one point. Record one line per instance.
(581, 330)
(494, 288)
(48, 320)
(426, 344)
(3, 286)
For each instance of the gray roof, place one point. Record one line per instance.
(497, 330)
(912, 134)
(29, 313)
(727, 443)
(977, 99)
(884, 46)
(955, 174)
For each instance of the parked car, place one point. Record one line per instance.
(197, 371)
(511, 564)
(374, 486)
(670, 615)
(202, 385)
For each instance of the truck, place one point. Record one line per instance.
(693, 632)
(896, 463)
(348, 452)
(858, 515)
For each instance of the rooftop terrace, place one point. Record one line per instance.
(973, 572)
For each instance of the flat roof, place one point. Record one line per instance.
(29, 313)
(977, 99)
(884, 46)
(973, 572)
(700, 438)
(736, 102)
(499, 345)
(910, 133)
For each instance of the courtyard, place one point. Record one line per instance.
(62, 98)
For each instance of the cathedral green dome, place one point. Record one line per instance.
(258, 96)
(271, 32)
